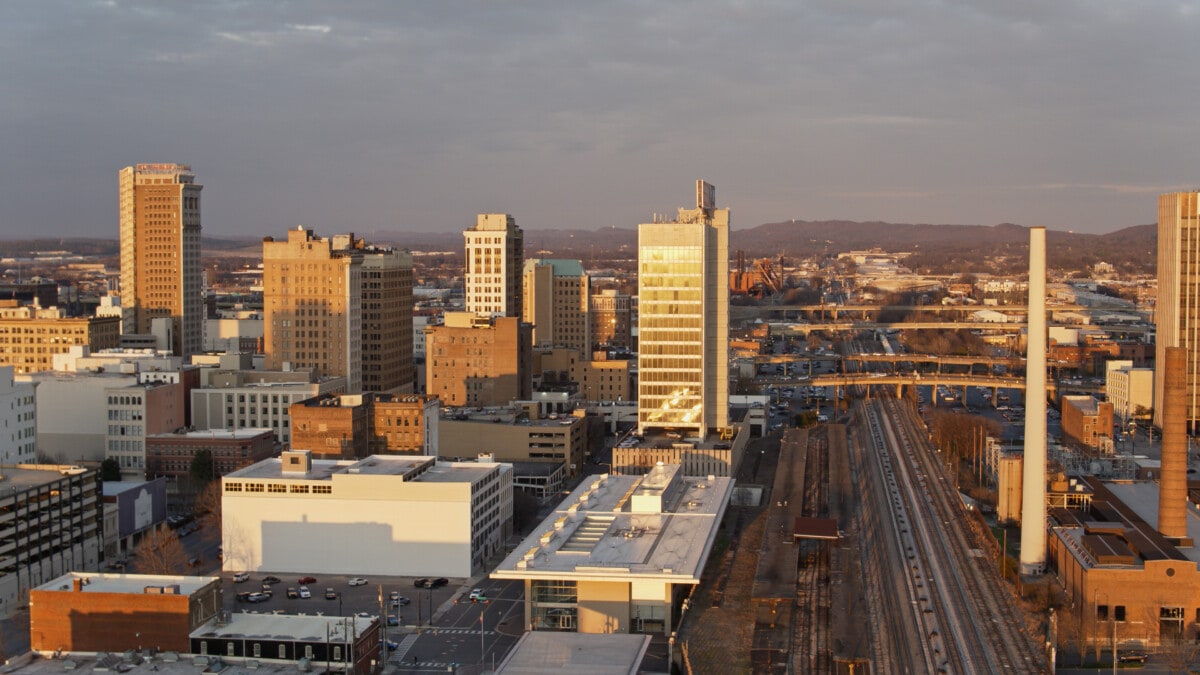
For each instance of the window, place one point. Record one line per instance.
(1119, 613)
(282, 652)
(1102, 612)
(257, 650)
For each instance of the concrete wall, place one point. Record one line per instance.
(603, 607)
(427, 532)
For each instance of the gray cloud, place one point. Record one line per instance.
(417, 115)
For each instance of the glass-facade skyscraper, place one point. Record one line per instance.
(683, 319)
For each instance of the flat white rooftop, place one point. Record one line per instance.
(546, 652)
(272, 626)
(22, 477)
(660, 526)
(410, 468)
(132, 584)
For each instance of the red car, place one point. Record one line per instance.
(307, 580)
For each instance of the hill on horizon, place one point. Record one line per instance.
(934, 248)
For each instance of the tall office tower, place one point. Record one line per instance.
(387, 320)
(556, 303)
(312, 305)
(1177, 314)
(683, 320)
(495, 249)
(160, 253)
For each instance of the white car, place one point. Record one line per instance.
(358, 581)
(476, 594)
(305, 593)
(240, 577)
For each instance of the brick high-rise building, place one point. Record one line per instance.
(495, 248)
(556, 303)
(387, 320)
(683, 319)
(160, 252)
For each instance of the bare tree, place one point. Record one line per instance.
(208, 502)
(161, 552)
(1073, 632)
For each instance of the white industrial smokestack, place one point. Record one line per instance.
(1033, 483)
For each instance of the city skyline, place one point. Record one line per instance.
(415, 118)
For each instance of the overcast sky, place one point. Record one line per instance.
(371, 116)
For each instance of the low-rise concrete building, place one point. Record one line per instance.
(50, 522)
(1129, 390)
(510, 435)
(618, 554)
(248, 399)
(381, 515)
(18, 419)
(349, 644)
(712, 455)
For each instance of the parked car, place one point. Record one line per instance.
(240, 577)
(391, 646)
(292, 594)
(305, 593)
(257, 597)
(306, 580)
(270, 580)
(1133, 657)
(330, 594)
(400, 601)
(439, 582)
(392, 620)
(358, 581)
(421, 583)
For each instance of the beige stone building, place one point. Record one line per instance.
(30, 337)
(312, 305)
(1177, 314)
(556, 304)
(160, 253)
(599, 379)
(495, 248)
(683, 319)
(473, 360)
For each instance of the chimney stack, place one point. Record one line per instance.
(1033, 478)
(1172, 482)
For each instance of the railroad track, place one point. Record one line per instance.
(945, 611)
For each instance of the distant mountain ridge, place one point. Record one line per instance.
(934, 247)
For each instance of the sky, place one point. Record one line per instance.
(415, 115)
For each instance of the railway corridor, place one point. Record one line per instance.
(942, 607)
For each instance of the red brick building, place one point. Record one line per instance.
(171, 454)
(88, 612)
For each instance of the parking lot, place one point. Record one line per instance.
(413, 607)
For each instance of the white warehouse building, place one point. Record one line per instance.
(380, 515)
